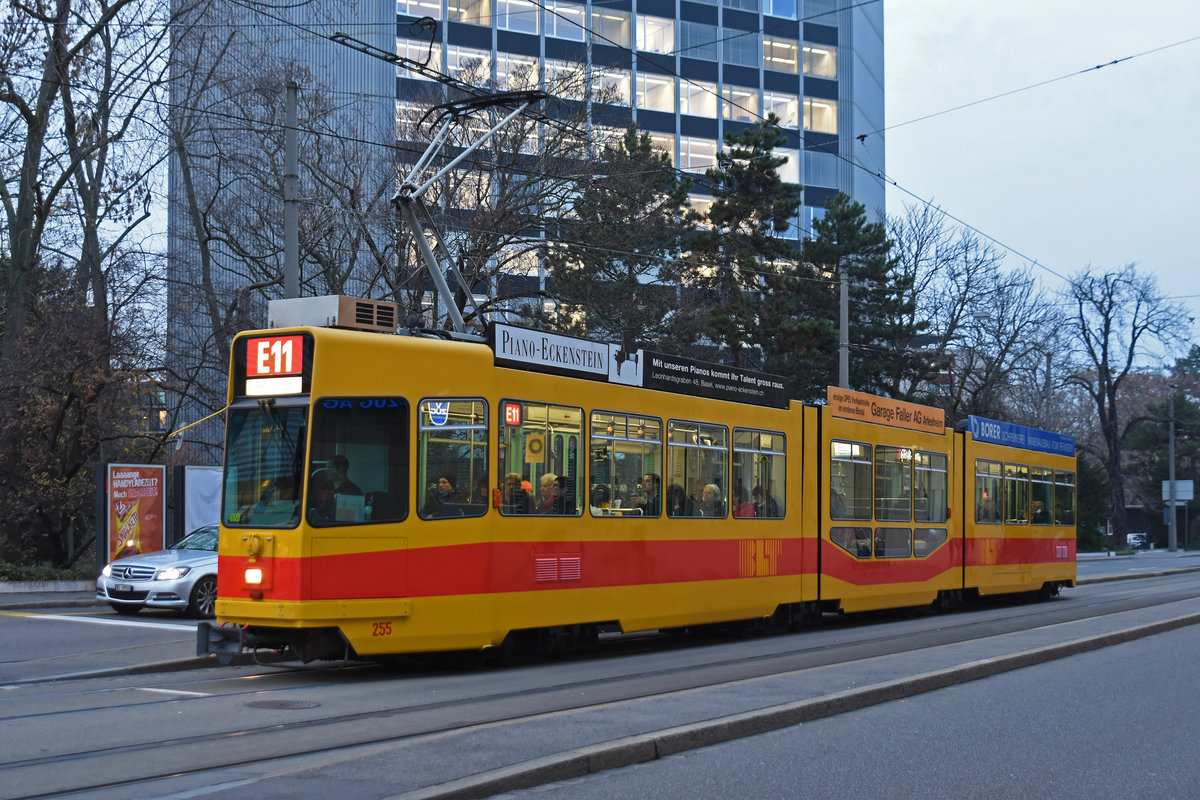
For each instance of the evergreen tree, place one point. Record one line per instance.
(612, 267)
(881, 327)
(743, 242)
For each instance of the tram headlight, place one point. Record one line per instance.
(253, 576)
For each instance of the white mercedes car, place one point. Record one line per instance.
(183, 577)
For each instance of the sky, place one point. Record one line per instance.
(1101, 168)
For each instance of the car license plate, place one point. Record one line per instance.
(123, 587)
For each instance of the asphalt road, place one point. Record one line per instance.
(1115, 723)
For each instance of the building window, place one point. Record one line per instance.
(743, 5)
(664, 142)
(655, 34)
(610, 26)
(780, 8)
(820, 169)
(517, 15)
(655, 92)
(782, 55)
(697, 98)
(697, 40)
(741, 48)
(611, 86)
(565, 79)
(783, 105)
(422, 53)
(469, 65)
(565, 20)
(697, 154)
(820, 61)
(789, 170)
(476, 12)
(420, 8)
(515, 72)
(820, 115)
(739, 103)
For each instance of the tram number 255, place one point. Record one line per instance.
(381, 628)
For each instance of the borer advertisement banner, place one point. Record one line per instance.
(135, 499)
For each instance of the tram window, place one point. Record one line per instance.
(697, 461)
(264, 456)
(893, 483)
(538, 458)
(1016, 494)
(930, 499)
(849, 480)
(626, 465)
(758, 473)
(1041, 494)
(855, 541)
(926, 540)
(893, 542)
(1064, 497)
(452, 458)
(358, 467)
(987, 490)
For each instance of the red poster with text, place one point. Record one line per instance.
(136, 496)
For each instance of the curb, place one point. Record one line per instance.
(671, 741)
(19, 587)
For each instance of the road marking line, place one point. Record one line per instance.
(173, 691)
(166, 626)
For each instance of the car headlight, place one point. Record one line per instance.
(107, 571)
(172, 573)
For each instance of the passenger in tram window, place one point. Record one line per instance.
(516, 499)
(676, 501)
(649, 500)
(764, 504)
(695, 501)
(482, 493)
(601, 496)
(549, 500)
(711, 504)
(565, 497)
(441, 497)
(744, 507)
(325, 484)
(342, 483)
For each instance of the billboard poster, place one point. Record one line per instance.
(135, 499)
(542, 351)
(995, 432)
(849, 404)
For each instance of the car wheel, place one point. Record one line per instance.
(203, 602)
(125, 608)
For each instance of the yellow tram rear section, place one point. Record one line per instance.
(392, 494)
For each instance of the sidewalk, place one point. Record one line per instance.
(16, 595)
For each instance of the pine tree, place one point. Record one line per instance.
(743, 242)
(612, 267)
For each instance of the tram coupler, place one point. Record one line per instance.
(222, 641)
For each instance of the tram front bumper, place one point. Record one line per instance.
(222, 641)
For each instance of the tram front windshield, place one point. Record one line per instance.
(264, 462)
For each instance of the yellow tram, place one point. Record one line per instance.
(403, 493)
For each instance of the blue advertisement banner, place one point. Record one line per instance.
(1006, 433)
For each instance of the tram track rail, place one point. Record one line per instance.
(78, 767)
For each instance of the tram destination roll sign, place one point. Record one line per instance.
(542, 351)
